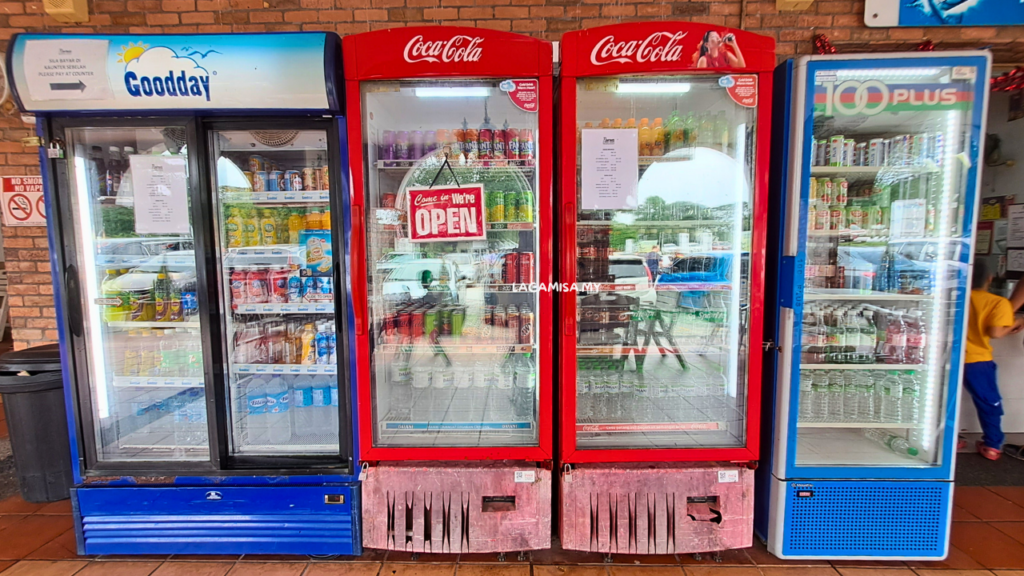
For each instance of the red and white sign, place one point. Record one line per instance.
(742, 88)
(23, 203)
(525, 94)
(658, 47)
(448, 214)
(458, 48)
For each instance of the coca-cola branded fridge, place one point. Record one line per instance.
(452, 257)
(662, 200)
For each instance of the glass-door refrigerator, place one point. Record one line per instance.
(876, 218)
(451, 132)
(199, 287)
(663, 204)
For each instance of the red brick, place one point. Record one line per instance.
(373, 14)
(158, 19)
(316, 3)
(529, 25)
(298, 16)
(653, 10)
(25, 21)
(405, 14)
(103, 6)
(476, 13)
(440, 13)
(178, 5)
(336, 15)
(512, 12)
(503, 25)
(197, 18)
(12, 8)
(546, 11)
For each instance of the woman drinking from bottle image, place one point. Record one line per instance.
(713, 53)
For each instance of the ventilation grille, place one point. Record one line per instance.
(431, 522)
(898, 519)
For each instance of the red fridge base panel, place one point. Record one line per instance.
(457, 507)
(657, 509)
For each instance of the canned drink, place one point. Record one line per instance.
(388, 199)
(402, 145)
(430, 321)
(386, 149)
(526, 326)
(821, 217)
(274, 181)
(309, 179)
(812, 191)
(318, 175)
(498, 146)
(404, 323)
(496, 213)
(290, 178)
(825, 191)
(415, 145)
(511, 202)
(489, 314)
(512, 320)
(820, 156)
(835, 150)
(875, 152)
(525, 267)
(511, 275)
(429, 141)
(446, 320)
(524, 208)
(256, 163)
(903, 149)
(836, 218)
(840, 191)
(325, 180)
(849, 148)
(857, 218)
(526, 149)
(416, 324)
(860, 155)
(239, 294)
(458, 320)
(486, 143)
(248, 177)
(259, 181)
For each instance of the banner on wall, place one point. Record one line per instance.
(919, 13)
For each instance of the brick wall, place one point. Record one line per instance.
(842, 20)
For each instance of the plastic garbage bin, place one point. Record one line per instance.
(37, 422)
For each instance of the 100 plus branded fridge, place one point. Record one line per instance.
(195, 193)
(662, 208)
(876, 210)
(452, 264)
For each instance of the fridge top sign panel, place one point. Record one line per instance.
(436, 51)
(662, 47)
(59, 72)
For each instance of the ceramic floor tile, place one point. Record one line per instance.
(343, 569)
(797, 571)
(961, 515)
(644, 560)
(274, 558)
(721, 571)
(8, 519)
(986, 505)
(45, 568)
(548, 570)
(557, 555)
(30, 533)
(63, 547)
(521, 569)
(5, 564)
(427, 558)
(491, 558)
(851, 571)
(119, 569)
(133, 557)
(1014, 530)
(205, 558)
(729, 558)
(193, 569)
(58, 507)
(988, 546)
(641, 571)
(268, 569)
(417, 569)
(16, 505)
(1014, 494)
(868, 564)
(760, 555)
(1008, 572)
(957, 559)
(929, 572)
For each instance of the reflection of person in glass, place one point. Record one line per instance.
(713, 52)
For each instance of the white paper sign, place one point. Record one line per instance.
(71, 69)
(610, 170)
(160, 186)
(1015, 260)
(1015, 230)
(908, 219)
(525, 476)
(728, 476)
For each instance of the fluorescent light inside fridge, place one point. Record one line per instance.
(452, 92)
(652, 87)
(90, 282)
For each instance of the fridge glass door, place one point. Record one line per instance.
(277, 284)
(663, 234)
(886, 159)
(452, 271)
(130, 201)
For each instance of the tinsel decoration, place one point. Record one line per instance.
(1008, 81)
(823, 45)
(926, 46)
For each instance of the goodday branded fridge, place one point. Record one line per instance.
(452, 258)
(876, 210)
(664, 148)
(195, 192)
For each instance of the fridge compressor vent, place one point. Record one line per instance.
(898, 519)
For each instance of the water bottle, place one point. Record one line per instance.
(877, 377)
(910, 398)
(624, 405)
(868, 337)
(686, 393)
(279, 427)
(819, 396)
(896, 340)
(322, 405)
(584, 396)
(641, 401)
(499, 407)
(835, 396)
(866, 397)
(442, 383)
(525, 392)
(462, 396)
(323, 354)
(891, 441)
(892, 394)
(256, 411)
(332, 414)
(851, 396)
(419, 407)
(301, 406)
(483, 381)
(189, 421)
(806, 397)
(718, 387)
(332, 344)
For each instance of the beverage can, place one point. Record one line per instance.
(524, 208)
(821, 152)
(512, 322)
(840, 190)
(857, 218)
(256, 163)
(938, 148)
(442, 138)
(511, 274)
(290, 178)
(471, 147)
(919, 148)
(498, 146)
(248, 177)
(430, 321)
(386, 149)
(445, 316)
(812, 190)
(836, 218)
(405, 323)
(496, 212)
(525, 267)
(825, 191)
(308, 288)
(526, 150)
(499, 319)
(429, 141)
(416, 324)
(259, 181)
(275, 181)
(388, 199)
(489, 314)
(415, 145)
(526, 326)
(860, 154)
(849, 147)
(511, 203)
(256, 289)
(308, 179)
(835, 150)
(325, 180)
(239, 294)
(875, 152)
(402, 145)
(325, 286)
(458, 142)
(485, 143)
(512, 144)
(458, 320)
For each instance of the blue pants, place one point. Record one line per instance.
(980, 382)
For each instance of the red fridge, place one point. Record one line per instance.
(664, 147)
(452, 248)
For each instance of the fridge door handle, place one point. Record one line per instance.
(569, 258)
(75, 301)
(359, 306)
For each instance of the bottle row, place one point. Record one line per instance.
(305, 341)
(279, 409)
(833, 265)
(140, 296)
(176, 353)
(181, 416)
(471, 144)
(278, 284)
(265, 175)
(860, 396)
(902, 150)
(614, 394)
(247, 226)
(499, 324)
(862, 334)
(654, 139)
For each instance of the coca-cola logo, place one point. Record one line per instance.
(456, 49)
(658, 47)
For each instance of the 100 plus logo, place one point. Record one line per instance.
(872, 97)
(455, 49)
(658, 47)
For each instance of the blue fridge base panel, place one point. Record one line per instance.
(220, 520)
(861, 519)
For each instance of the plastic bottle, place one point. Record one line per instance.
(868, 337)
(916, 339)
(524, 393)
(835, 396)
(255, 423)
(312, 218)
(658, 137)
(706, 132)
(322, 404)
(250, 228)
(892, 394)
(332, 344)
(162, 296)
(332, 411)
(721, 131)
(307, 339)
(896, 339)
(296, 223)
(910, 398)
(279, 428)
(323, 354)
(462, 397)
(419, 396)
(170, 362)
(866, 397)
(673, 125)
(645, 138)
(302, 402)
(688, 137)
(891, 441)
(268, 228)
(584, 396)
(109, 290)
(499, 403)
(806, 396)
(442, 383)
(484, 380)
(851, 396)
(642, 400)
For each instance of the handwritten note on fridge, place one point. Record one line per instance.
(1015, 230)
(160, 185)
(610, 170)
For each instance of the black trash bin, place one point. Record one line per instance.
(37, 422)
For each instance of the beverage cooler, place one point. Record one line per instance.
(876, 219)
(195, 190)
(662, 200)
(452, 263)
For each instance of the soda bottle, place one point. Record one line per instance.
(175, 312)
(675, 134)
(322, 353)
(250, 228)
(617, 124)
(658, 137)
(896, 339)
(706, 132)
(645, 138)
(512, 143)
(296, 223)
(268, 228)
(526, 149)
(916, 339)
(312, 218)
(472, 144)
(806, 413)
(233, 229)
(307, 339)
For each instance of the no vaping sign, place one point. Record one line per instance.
(23, 203)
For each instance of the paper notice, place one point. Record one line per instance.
(1015, 229)
(610, 170)
(67, 69)
(160, 185)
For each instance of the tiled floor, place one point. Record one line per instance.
(987, 540)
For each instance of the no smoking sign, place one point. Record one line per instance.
(23, 203)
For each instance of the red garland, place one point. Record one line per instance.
(1008, 81)
(926, 46)
(822, 45)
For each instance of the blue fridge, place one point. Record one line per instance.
(875, 200)
(192, 184)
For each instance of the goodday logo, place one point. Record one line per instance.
(158, 71)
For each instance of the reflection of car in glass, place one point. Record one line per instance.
(915, 262)
(466, 262)
(713, 270)
(134, 250)
(180, 266)
(392, 260)
(421, 279)
(632, 270)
